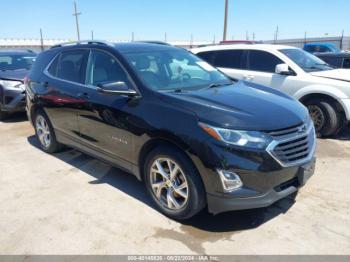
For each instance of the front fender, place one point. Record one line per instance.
(331, 91)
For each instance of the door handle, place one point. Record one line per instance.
(248, 77)
(83, 95)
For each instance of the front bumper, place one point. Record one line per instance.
(12, 100)
(247, 198)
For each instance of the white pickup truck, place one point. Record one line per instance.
(325, 91)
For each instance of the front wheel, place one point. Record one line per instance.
(325, 117)
(174, 183)
(45, 133)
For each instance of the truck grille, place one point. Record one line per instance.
(293, 145)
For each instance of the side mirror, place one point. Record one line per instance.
(283, 69)
(117, 88)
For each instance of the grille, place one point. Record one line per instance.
(293, 145)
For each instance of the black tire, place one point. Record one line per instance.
(325, 116)
(196, 200)
(53, 146)
(3, 115)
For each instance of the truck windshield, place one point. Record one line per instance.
(307, 61)
(175, 70)
(16, 62)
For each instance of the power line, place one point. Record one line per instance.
(76, 14)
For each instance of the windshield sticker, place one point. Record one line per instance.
(206, 66)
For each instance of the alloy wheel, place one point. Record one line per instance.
(43, 131)
(169, 183)
(316, 116)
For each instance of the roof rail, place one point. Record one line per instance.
(83, 42)
(153, 42)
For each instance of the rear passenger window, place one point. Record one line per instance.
(70, 66)
(207, 56)
(229, 58)
(346, 63)
(224, 58)
(263, 61)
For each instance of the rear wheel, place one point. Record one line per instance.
(45, 133)
(325, 117)
(174, 183)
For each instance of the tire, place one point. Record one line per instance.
(325, 117)
(45, 134)
(196, 196)
(2, 115)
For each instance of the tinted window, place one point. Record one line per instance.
(103, 69)
(207, 56)
(70, 66)
(346, 63)
(15, 62)
(228, 58)
(263, 61)
(334, 61)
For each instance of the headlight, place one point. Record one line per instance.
(251, 139)
(11, 84)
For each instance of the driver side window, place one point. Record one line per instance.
(103, 69)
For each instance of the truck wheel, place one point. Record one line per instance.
(174, 183)
(45, 133)
(325, 117)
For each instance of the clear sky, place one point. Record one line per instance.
(150, 19)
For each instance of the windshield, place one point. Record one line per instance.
(175, 70)
(307, 61)
(16, 62)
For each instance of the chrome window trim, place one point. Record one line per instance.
(271, 147)
(46, 70)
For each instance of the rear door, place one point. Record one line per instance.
(63, 83)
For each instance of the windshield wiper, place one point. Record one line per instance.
(219, 84)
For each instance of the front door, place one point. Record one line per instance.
(104, 120)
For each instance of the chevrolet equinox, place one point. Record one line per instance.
(195, 137)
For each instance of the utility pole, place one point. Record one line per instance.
(225, 21)
(246, 35)
(165, 37)
(276, 35)
(92, 34)
(214, 40)
(341, 40)
(132, 37)
(305, 37)
(41, 40)
(76, 14)
(253, 36)
(191, 41)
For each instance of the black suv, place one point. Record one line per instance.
(14, 66)
(195, 137)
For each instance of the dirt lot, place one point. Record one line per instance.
(69, 203)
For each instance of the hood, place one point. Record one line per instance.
(242, 106)
(336, 74)
(14, 74)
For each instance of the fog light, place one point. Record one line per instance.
(230, 181)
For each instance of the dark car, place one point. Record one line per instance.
(192, 135)
(14, 66)
(315, 48)
(337, 60)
